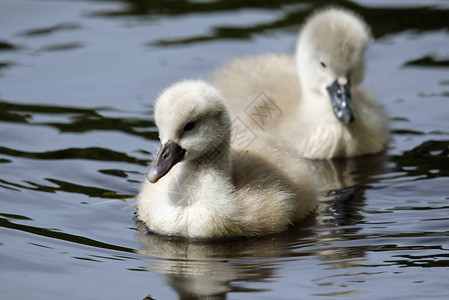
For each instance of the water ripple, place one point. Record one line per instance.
(66, 26)
(429, 159)
(90, 153)
(82, 120)
(62, 236)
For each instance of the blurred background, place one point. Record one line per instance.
(78, 80)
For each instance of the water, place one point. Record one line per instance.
(78, 81)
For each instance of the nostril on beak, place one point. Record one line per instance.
(342, 80)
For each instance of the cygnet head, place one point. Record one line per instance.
(192, 120)
(330, 57)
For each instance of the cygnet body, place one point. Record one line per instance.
(202, 188)
(313, 101)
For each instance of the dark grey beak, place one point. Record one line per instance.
(341, 101)
(170, 154)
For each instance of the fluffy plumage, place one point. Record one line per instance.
(330, 49)
(217, 191)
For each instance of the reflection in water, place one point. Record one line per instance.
(200, 269)
(430, 160)
(76, 120)
(343, 173)
(382, 20)
(80, 120)
(212, 269)
(342, 183)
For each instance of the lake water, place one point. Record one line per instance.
(78, 81)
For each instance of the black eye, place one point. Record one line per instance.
(323, 64)
(189, 126)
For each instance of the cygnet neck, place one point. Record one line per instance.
(216, 160)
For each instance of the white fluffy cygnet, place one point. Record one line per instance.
(200, 187)
(312, 101)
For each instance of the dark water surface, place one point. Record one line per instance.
(78, 81)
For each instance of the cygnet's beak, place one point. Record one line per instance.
(170, 154)
(341, 101)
